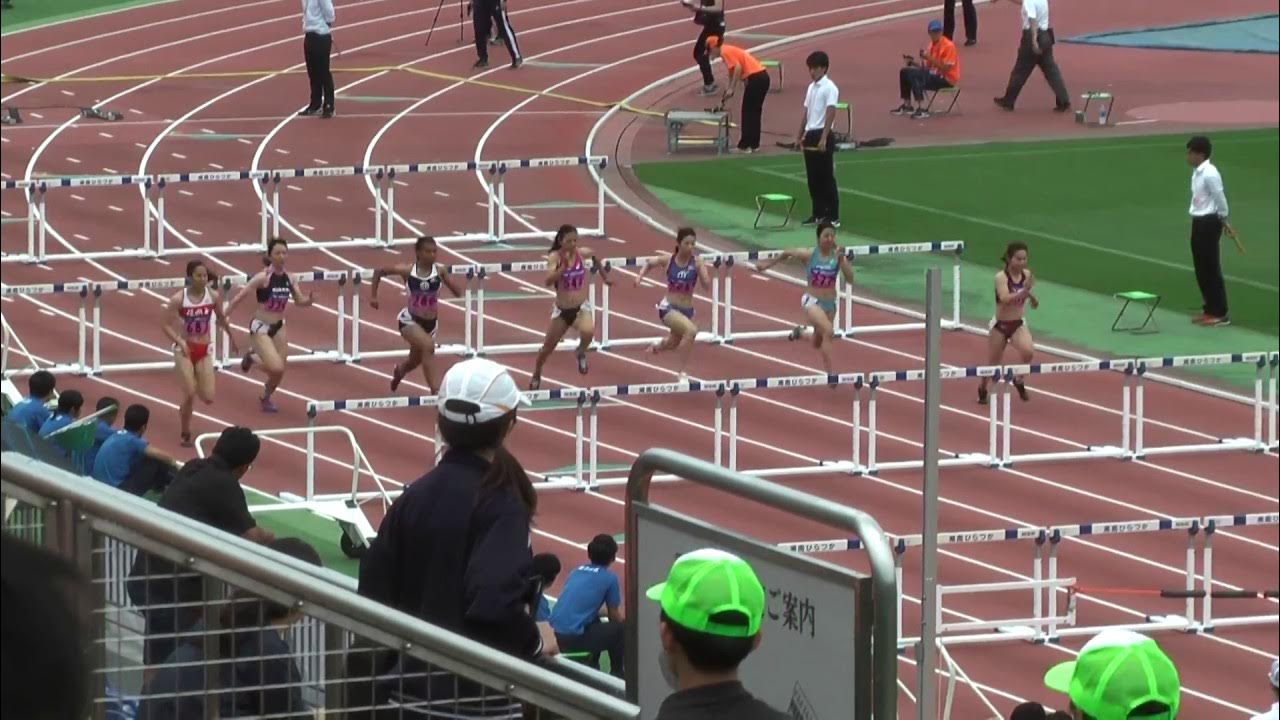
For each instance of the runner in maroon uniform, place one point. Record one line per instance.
(1013, 290)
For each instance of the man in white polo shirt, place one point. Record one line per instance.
(1208, 222)
(1035, 50)
(317, 43)
(815, 141)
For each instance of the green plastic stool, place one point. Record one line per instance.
(848, 118)
(774, 65)
(762, 202)
(1151, 300)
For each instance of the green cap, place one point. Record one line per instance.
(1116, 672)
(705, 583)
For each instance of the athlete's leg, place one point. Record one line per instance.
(555, 333)
(996, 342)
(823, 332)
(1025, 347)
(687, 331)
(586, 327)
(186, 381)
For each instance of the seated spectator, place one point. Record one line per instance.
(258, 674)
(1118, 674)
(576, 616)
(209, 491)
(103, 427)
(1274, 677)
(31, 412)
(546, 568)
(1036, 711)
(68, 411)
(939, 68)
(712, 605)
(127, 462)
(46, 654)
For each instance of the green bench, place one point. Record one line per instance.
(762, 202)
(848, 119)
(1150, 300)
(770, 65)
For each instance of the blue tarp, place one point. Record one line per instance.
(1256, 34)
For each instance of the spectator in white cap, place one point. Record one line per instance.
(1274, 676)
(454, 549)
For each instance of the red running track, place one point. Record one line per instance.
(443, 121)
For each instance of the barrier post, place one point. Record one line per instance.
(342, 319)
(1051, 630)
(1189, 582)
(44, 221)
(955, 287)
(1259, 373)
(160, 221)
(379, 184)
(899, 549)
(595, 438)
(146, 217)
(81, 332)
(480, 276)
(591, 300)
(718, 270)
(856, 458)
(355, 316)
(718, 431)
(604, 302)
(1125, 411)
(389, 240)
(733, 426)
(993, 421)
(97, 328)
(311, 454)
(491, 192)
(502, 201)
(847, 290)
(1037, 575)
(33, 213)
(275, 204)
(1139, 412)
(728, 299)
(578, 438)
(1271, 399)
(1006, 402)
(871, 425)
(1206, 609)
(263, 211)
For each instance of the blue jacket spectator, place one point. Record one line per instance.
(127, 462)
(546, 568)
(103, 427)
(31, 412)
(69, 405)
(576, 616)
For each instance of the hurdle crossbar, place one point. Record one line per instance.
(380, 179)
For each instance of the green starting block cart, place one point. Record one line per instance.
(1150, 300)
(764, 199)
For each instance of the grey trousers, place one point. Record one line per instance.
(1028, 60)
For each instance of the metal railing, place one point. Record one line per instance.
(168, 629)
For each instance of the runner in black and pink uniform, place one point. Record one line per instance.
(1013, 290)
(197, 307)
(273, 288)
(417, 320)
(567, 273)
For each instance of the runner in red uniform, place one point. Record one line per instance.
(195, 307)
(1013, 290)
(567, 274)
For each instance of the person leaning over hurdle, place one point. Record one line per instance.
(744, 68)
(938, 69)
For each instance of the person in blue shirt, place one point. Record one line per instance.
(127, 462)
(546, 568)
(31, 412)
(103, 427)
(69, 405)
(576, 616)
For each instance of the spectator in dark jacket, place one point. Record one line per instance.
(454, 549)
(208, 491)
(257, 673)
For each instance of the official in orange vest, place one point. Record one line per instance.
(754, 77)
(939, 68)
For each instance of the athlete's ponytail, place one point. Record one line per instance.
(505, 474)
(560, 235)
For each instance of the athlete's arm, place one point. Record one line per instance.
(650, 264)
(846, 267)
(166, 321)
(802, 255)
(704, 275)
(595, 265)
(402, 271)
(448, 281)
(1031, 283)
(254, 283)
(554, 269)
(298, 299)
(221, 318)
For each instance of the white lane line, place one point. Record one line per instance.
(224, 203)
(114, 208)
(179, 156)
(77, 197)
(335, 199)
(215, 166)
(186, 192)
(106, 135)
(75, 161)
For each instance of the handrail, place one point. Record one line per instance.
(212, 549)
(884, 658)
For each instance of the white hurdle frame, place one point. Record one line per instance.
(379, 179)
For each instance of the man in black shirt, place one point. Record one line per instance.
(710, 15)
(486, 15)
(209, 491)
(712, 605)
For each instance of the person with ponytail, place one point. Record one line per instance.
(455, 548)
(1013, 285)
(194, 307)
(568, 275)
(685, 270)
(823, 263)
(417, 320)
(269, 344)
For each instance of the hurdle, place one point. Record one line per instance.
(381, 182)
(1045, 624)
(89, 326)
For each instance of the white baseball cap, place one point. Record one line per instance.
(482, 383)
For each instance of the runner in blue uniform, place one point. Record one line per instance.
(685, 270)
(418, 319)
(823, 263)
(567, 273)
(1013, 290)
(270, 344)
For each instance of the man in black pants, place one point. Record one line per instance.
(816, 143)
(317, 44)
(1035, 50)
(710, 15)
(485, 15)
(1208, 222)
(970, 21)
(754, 77)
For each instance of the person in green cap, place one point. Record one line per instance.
(1119, 675)
(712, 604)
